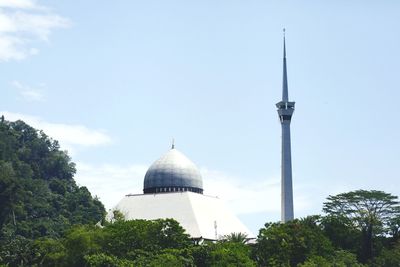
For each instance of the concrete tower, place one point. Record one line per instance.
(285, 112)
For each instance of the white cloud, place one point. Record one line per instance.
(244, 195)
(23, 22)
(27, 92)
(111, 182)
(24, 4)
(71, 137)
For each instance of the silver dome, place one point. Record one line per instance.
(173, 172)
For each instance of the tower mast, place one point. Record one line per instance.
(285, 112)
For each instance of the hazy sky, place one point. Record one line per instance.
(115, 81)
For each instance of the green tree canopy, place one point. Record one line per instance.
(369, 211)
(342, 233)
(388, 257)
(38, 195)
(291, 243)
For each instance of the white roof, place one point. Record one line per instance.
(200, 215)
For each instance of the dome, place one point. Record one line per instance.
(173, 172)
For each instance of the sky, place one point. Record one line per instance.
(115, 81)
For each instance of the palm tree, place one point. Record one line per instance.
(235, 238)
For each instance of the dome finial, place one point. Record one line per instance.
(173, 144)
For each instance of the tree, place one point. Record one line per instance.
(81, 241)
(224, 253)
(8, 191)
(230, 254)
(235, 237)
(101, 260)
(167, 258)
(38, 195)
(369, 211)
(49, 252)
(291, 243)
(316, 261)
(118, 216)
(340, 258)
(135, 236)
(394, 226)
(342, 233)
(16, 251)
(388, 257)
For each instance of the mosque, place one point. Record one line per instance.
(173, 188)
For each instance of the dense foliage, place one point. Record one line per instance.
(302, 243)
(38, 195)
(371, 212)
(47, 220)
(292, 243)
(133, 243)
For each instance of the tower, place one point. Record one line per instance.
(285, 112)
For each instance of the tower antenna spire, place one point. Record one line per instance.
(285, 112)
(173, 143)
(285, 93)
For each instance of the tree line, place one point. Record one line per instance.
(48, 220)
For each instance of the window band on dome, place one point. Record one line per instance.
(154, 190)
